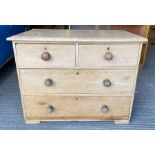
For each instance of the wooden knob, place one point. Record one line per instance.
(48, 82)
(108, 56)
(107, 83)
(50, 109)
(105, 109)
(45, 56)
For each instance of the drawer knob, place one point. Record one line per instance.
(108, 56)
(45, 56)
(50, 109)
(107, 83)
(105, 109)
(48, 82)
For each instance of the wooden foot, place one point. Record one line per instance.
(32, 122)
(122, 122)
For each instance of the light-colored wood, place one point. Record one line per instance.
(123, 55)
(77, 72)
(67, 81)
(20, 84)
(77, 55)
(136, 74)
(86, 94)
(122, 122)
(48, 35)
(29, 55)
(32, 121)
(126, 121)
(76, 107)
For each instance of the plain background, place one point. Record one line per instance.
(76, 12)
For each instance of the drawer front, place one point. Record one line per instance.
(54, 107)
(45, 55)
(72, 81)
(108, 55)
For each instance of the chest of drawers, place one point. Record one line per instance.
(77, 74)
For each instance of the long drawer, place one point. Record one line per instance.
(70, 81)
(45, 55)
(54, 107)
(112, 55)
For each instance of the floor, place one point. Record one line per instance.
(143, 115)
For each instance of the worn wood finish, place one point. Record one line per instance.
(71, 80)
(76, 81)
(122, 55)
(29, 55)
(15, 55)
(142, 30)
(76, 107)
(83, 36)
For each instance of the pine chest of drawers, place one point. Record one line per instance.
(77, 74)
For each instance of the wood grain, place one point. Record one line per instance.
(76, 81)
(76, 107)
(46, 35)
(76, 70)
(29, 55)
(123, 55)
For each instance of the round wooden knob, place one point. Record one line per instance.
(45, 56)
(105, 109)
(48, 82)
(108, 56)
(50, 109)
(107, 83)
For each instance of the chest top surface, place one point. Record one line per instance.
(49, 35)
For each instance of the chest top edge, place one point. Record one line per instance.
(79, 36)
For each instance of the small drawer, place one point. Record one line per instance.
(80, 107)
(113, 55)
(70, 81)
(45, 55)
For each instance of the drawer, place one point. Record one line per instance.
(113, 55)
(53, 81)
(82, 107)
(45, 55)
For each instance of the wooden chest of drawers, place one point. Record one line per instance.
(77, 74)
